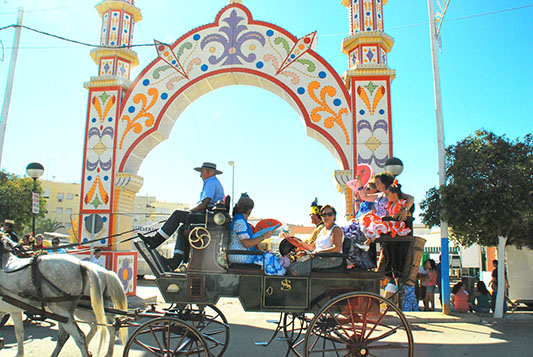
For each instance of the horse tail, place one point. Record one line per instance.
(97, 302)
(118, 297)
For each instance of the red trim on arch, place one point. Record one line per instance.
(292, 94)
(331, 71)
(253, 22)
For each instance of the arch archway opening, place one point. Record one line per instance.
(281, 167)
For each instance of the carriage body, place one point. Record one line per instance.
(210, 277)
(331, 311)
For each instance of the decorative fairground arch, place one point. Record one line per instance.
(126, 120)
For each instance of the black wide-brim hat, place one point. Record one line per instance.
(210, 166)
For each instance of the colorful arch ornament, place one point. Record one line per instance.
(126, 120)
(234, 49)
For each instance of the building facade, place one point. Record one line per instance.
(63, 203)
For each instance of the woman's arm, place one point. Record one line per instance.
(307, 246)
(250, 242)
(405, 212)
(370, 197)
(336, 241)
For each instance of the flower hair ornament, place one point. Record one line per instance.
(314, 207)
(395, 183)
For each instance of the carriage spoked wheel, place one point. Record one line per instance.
(211, 323)
(167, 336)
(359, 324)
(294, 327)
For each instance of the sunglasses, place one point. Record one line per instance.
(327, 214)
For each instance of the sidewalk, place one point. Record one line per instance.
(455, 317)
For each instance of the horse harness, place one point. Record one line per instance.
(37, 280)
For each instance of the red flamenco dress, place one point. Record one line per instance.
(373, 226)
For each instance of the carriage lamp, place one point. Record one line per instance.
(219, 218)
(394, 166)
(34, 170)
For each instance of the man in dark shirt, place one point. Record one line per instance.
(8, 230)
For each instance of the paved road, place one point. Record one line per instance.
(434, 335)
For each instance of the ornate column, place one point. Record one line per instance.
(368, 79)
(103, 192)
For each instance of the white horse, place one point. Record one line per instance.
(113, 290)
(57, 282)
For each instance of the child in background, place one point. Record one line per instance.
(482, 299)
(459, 299)
(363, 207)
(431, 286)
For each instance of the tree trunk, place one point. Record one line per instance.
(500, 295)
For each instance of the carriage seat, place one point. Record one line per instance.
(241, 266)
(346, 245)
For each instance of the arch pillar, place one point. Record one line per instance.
(126, 187)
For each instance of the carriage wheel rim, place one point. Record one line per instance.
(189, 341)
(353, 333)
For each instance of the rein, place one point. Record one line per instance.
(108, 237)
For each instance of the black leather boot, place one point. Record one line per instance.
(173, 262)
(152, 242)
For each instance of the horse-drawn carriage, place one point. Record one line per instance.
(330, 312)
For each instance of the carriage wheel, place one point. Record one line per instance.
(359, 324)
(167, 336)
(213, 326)
(294, 327)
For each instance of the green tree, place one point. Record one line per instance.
(488, 192)
(48, 225)
(16, 200)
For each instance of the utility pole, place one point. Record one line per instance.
(435, 22)
(10, 79)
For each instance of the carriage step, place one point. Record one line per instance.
(272, 321)
(285, 339)
(261, 343)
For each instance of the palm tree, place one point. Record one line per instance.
(48, 225)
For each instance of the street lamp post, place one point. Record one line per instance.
(435, 22)
(232, 164)
(34, 170)
(394, 166)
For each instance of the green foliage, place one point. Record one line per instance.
(488, 192)
(47, 225)
(16, 201)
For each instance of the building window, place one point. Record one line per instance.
(46, 193)
(69, 196)
(60, 196)
(59, 210)
(68, 211)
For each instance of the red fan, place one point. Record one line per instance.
(265, 223)
(365, 171)
(296, 242)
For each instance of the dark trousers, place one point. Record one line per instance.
(173, 222)
(182, 243)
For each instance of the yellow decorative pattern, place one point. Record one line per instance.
(334, 118)
(98, 107)
(373, 143)
(143, 113)
(97, 184)
(377, 98)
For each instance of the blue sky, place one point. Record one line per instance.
(485, 72)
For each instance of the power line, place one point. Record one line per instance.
(323, 35)
(448, 20)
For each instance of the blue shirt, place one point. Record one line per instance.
(212, 189)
